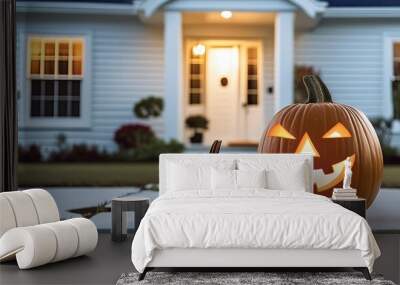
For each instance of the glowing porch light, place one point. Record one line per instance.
(226, 14)
(199, 50)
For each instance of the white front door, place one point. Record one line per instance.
(222, 89)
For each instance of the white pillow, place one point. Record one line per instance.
(282, 174)
(227, 179)
(293, 178)
(223, 179)
(183, 178)
(189, 174)
(251, 178)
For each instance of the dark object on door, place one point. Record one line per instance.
(224, 81)
(8, 98)
(216, 146)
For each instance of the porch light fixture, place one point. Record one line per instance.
(199, 50)
(226, 14)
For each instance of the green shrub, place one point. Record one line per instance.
(150, 151)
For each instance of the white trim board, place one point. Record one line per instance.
(362, 12)
(75, 8)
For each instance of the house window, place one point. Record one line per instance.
(196, 78)
(55, 74)
(396, 80)
(252, 76)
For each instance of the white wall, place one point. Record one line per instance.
(349, 54)
(127, 64)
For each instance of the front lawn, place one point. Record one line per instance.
(118, 174)
(86, 174)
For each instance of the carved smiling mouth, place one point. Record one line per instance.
(327, 181)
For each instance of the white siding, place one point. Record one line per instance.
(349, 55)
(127, 65)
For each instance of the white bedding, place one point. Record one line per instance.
(252, 218)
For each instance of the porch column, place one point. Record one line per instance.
(173, 91)
(284, 59)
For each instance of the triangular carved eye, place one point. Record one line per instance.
(280, 132)
(337, 131)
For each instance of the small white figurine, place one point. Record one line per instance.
(347, 174)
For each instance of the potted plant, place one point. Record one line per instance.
(197, 123)
(148, 107)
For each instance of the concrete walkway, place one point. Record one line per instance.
(384, 214)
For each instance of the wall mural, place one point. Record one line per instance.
(331, 132)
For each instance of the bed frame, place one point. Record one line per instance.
(245, 259)
(242, 259)
(250, 259)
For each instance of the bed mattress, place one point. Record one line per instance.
(250, 219)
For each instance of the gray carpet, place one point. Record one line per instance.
(242, 278)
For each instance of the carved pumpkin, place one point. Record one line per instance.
(331, 132)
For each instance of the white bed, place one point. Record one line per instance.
(250, 226)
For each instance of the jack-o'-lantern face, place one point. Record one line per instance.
(328, 172)
(331, 132)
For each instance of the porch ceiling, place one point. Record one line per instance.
(240, 18)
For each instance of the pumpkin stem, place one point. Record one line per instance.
(325, 91)
(316, 90)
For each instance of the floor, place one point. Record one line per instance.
(111, 259)
(104, 266)
(384, 214)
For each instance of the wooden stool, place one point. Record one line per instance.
(119, 207)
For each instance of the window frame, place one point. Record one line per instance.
(201, 77)
(256, 77)
(84, 120)
(388, 60)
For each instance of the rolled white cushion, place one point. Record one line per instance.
(87, 235)
(67, 240)
(37, 245)
(46, 207)
(23, 208)
(33, 246)
(7, 219)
